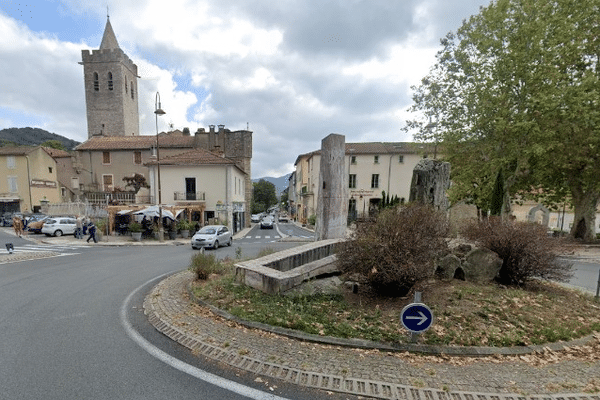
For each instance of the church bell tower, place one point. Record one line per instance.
(111, 89)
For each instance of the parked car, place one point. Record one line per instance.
(255, 218)
(36, 226)
(59, 226)
(266, 223)
(212, 236)
(7, 218)
(283, 218)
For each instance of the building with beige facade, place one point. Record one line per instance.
(213, 184)
(373, 168)
(29, 179)
(115, 149)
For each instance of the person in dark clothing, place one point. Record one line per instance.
(92, 231)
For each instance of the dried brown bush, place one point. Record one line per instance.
(525, 248)
(396, 250)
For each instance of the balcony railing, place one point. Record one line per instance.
(110, 197)
(189, 196)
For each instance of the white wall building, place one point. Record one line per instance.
(199, 177)
(373, 168)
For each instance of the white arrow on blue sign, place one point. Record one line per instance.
(416, 317)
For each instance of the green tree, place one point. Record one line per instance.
(517, 89)
(54, 144)
(263, 196)
(137, 181)
(285, 198)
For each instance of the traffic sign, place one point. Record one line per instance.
(416, 317)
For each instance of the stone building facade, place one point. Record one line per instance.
(115, 149)
(111, 89)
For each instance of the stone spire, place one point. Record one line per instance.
(109, 40)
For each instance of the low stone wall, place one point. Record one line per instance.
(281, 271)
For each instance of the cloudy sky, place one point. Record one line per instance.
(294, 71)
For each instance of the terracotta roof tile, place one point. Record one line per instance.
(378, 148)
(56, 153)
(195, 157)
(15, 150)
(136, 142)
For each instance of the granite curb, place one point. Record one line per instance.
(366, 372)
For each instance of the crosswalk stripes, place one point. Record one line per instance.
(63, 249)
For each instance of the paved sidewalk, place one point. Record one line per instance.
(565, 374)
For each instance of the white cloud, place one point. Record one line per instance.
(295, 71)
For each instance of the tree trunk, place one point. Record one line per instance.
(584, 223)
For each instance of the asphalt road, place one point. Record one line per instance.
(67, 326)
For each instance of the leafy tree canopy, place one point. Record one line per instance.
(137, 181)
(263, 196)
(53, 144)
(517, 89)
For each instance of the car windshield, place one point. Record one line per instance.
(207, 231)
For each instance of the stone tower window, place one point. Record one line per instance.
(132, 96)
(110, 81)
(125, 86)
(96, 82)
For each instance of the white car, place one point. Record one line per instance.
(267, 222)
(59, 226)
(212, 236)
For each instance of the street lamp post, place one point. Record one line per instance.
(159, 111)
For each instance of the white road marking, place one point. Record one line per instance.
(184, 367)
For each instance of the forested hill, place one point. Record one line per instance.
(32, 137)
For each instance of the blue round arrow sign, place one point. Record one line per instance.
(416, 317)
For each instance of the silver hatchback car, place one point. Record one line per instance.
(212, 236)
(59, 226)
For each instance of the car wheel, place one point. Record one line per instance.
(58, 232)
(229, 243)
(216, 245)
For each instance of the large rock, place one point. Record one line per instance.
(481, 265)
(431, 179)
(447, 267)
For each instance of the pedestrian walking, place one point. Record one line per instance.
(79, 228)
(92, 232)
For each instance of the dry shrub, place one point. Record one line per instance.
(204, 265)
(396, 250)
(525, 248)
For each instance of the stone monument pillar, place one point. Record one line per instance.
(431, 179)
(332, 202)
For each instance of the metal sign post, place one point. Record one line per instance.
(416, 317)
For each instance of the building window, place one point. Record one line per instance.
(75, 183)
(63, 192)
(376, 159)
(374, 181)
(401, 159)
(10, 162)
(49, 170)
(352, 159)
(137, 157)
(132, 97)
(96, 82)
(107, 183)
(12, 184)
(106, 157)
(352, 181)
(110, 81)
(125, 85)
